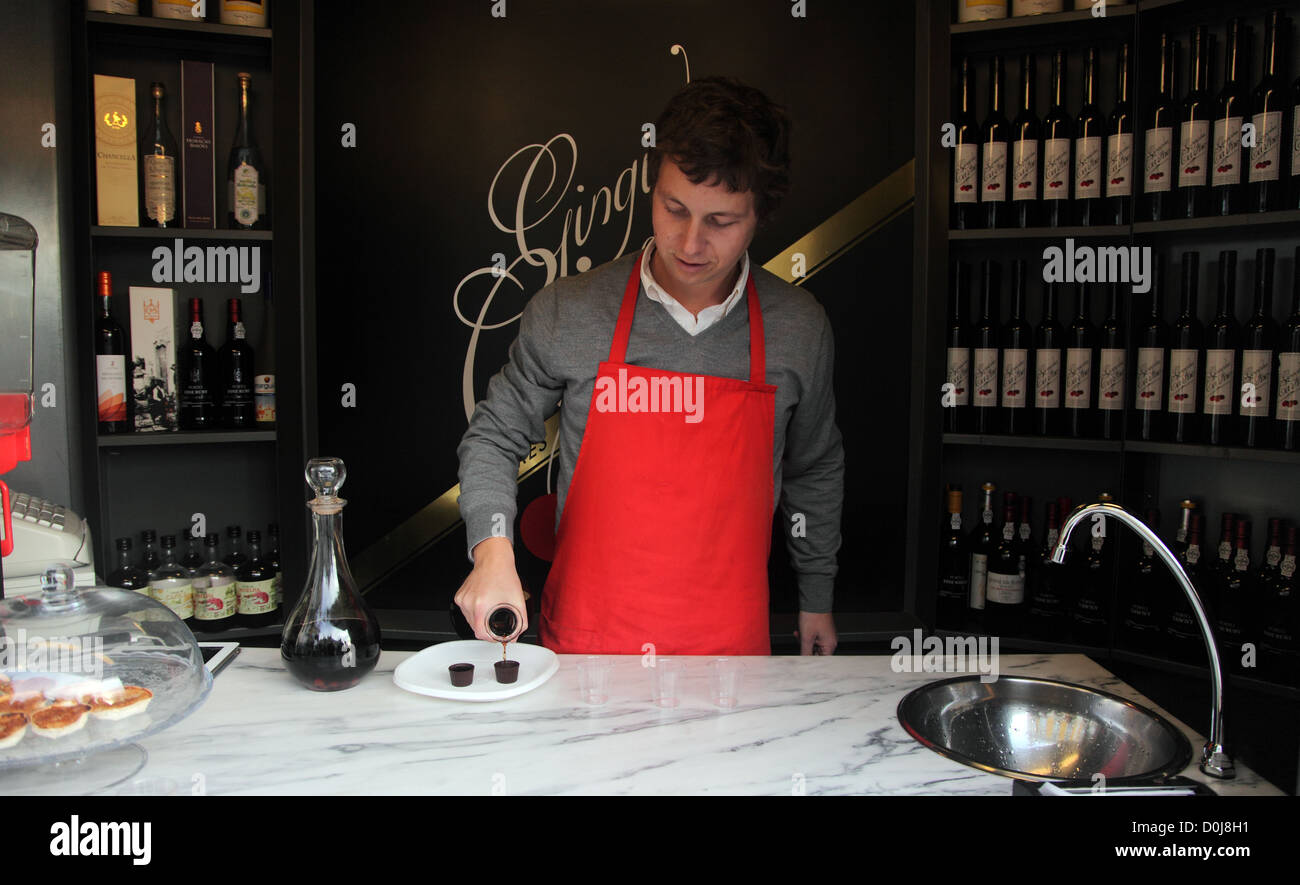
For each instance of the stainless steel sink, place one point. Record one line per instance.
(1041, 730)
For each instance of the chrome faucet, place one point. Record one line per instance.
(1215, 760)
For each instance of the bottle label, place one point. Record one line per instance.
(954, 521)
(1119, 165)
(1008, 531)
(246, 194)
(1193, 554)
(1005, 589)
(965, 173)
(196, 331)
(1097, 542)
(264, 397)
(1150, 378)
(994, 172)
(279, 582)
(1110, 383)
(1024, 531)
(215, 598)
(1014, 378)
(1226, 168)
(1288, 387)
(1182, 381)
(1194, 153)
(1266, 155)
(1053, 536)
(986, 376)
(256, 597)
(175, 593)
(1056, 169)
(959, 374)
(160, 187)
(1273, 557)
(1218, 382)
(1147, 549)
(1242, 560)
(1288, 566)
(1078, 377)
(979, 570)
(987, 517)
(1025, 170)
(1256, 369)
(1158, 164)
(240, 333)
(1047, 378)
(1225, 550)
(1087, 167)
(111, 372)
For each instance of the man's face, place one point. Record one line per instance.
(701, 230)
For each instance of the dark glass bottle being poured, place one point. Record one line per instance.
(331, 638)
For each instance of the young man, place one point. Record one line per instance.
(696, 387)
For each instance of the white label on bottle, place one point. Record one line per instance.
(1008, 531)
(1087, 167)
(1158, 164)
(1150, 379)
(246, 199)
(1218, 382)
(215, 598)
(979, 570)
(1194, 153)
(1288, 566)
(1047, 378)
(1053, 536)
(1225, 550)
(965, 173)
(110, 370)
(1226, 167)
(987, 517)
(1015, 366)
(993, 177)
(1182, 381)
(1119, 165)
(239, 331)
(1266, 155)
(1110, 383)
(1078, 377)
(160, 187)
(1024, 531)
(196, 330)
(1273, 556)
(1098, 541)
(264, 397)
(256, 597)
(1288, 387)
(959, 374)
(175, 593)
(1005, 589)
(1147, 549)
(986, 376)
(1256, 369)
(954, 521)
(1193, 554)
(1056, 169)
(1024, 184)
(1242, 560)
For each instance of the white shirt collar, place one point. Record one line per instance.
(687, 320)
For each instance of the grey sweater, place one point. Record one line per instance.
(566, 331)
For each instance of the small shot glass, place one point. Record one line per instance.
(725, 678)
(664, 676)
(593, 678)
(461, 674)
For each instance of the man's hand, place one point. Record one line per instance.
(492, 582)
(816, 633)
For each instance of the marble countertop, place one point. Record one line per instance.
(811, 725)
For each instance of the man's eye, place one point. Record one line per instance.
(678, 212)
(723, 223)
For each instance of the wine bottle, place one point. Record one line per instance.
(1222, 357)
(985, 351)
(1230, 111)
(127, 575)
(1089, 615)
(1268, 102)
(1004, 599)
(1016, 339)
(1047, 586)
(216, 600)
(158, 159)
(966, 155)
(1048, 341)
(980, 543)
(1025, 536)
(1232, 625)
(1185, 363)
(110, 363)
(1258, 342)
(246, 180)
(1182, 632)
(1080, 360)
(956, 400)
(149, 550)
(1088, 151)
(1216, 572)
(1119, 146)
(236, 369)
(1111, 370)
(1279, 638)
(1149, 384)
(1288, 372)
(235, 556)
(1268, 570)
(994, 139)
(1058, 146)
(254, 584)
(198, 368)
(264, 365)
(1159, 149)
(954, 567)
(1194, 130)
(1186, 508)
(1293, 200)
(1143, 623)
(170, 583)
(1024, 151)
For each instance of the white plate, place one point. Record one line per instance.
(425, 672)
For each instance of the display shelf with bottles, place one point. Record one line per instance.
(210, 30)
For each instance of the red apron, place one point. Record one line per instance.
(667, 525)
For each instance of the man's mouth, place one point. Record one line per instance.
(686, 265)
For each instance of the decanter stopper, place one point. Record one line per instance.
(326, 476)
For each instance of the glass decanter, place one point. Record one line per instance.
(331, 638)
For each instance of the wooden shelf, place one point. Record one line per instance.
(1067, 443)
(1042, 233)
(1220, 223)
(1022, 22)
(144, 23)
(173, 233)
(186, 437)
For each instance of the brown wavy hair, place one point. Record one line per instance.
(720, 128)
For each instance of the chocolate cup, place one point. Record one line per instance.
(461, 674)
(507, 671)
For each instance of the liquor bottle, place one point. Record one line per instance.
(1268, 102)
(1025, 536)
(235, 556)
(192, 559)
(264, 365)
(1269, 569)
(1258, 342)
(956, 400)
(1183, 639)
(954, 567)
(1279, 634)
(984, 357)
(1230, 111)
(198, 410)
(1049, 339)
(1016, 339)
(216, 601)
(1288, 372)
(1004, 596)
(110, 363)
(1089, 153)
(1119, 146)
(149, 550)
(994, 138)
(1160, 149)
(1111, 370)
(1293, 200)
(1232, 620)
(966, 155)
(1090, 613)
(127, 575)
(1216, 572)
(1058, 145)
(1186, 367)
(1048, 586)
(236, 371)
(1194, 130)
(1222, 357)
(1024, 151)
(246, 181)
(159, 161)
(1187, 509)
(255, 586)
(171, 584)
(981, 544)
(1080, 359)
(1143, 623)
(1149, 380)
(273, 557)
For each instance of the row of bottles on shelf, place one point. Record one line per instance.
(1068, 169)
(245, 13)
(988, 10)
(211, 592)
(1003, 582)
(1221, 384)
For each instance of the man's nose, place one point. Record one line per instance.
(694, 236)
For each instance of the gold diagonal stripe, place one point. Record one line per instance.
(875, 208)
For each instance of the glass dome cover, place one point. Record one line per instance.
(74, 662)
